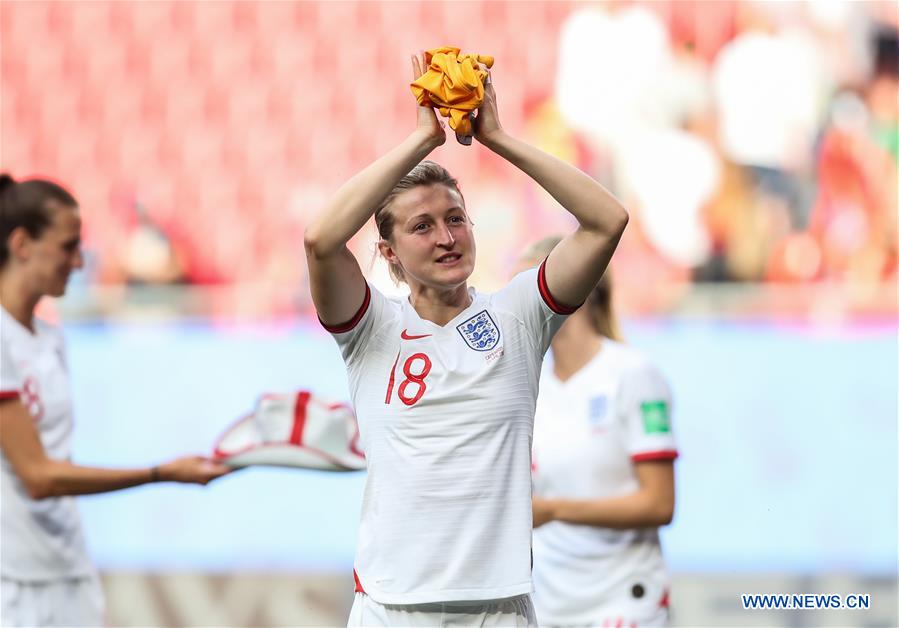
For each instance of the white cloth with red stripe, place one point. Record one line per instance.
(590, 430)
(446, 419)
(296, 430)
(41, 540)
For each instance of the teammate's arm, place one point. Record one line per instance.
(44, 477)
(651, 505)
(577, 263)
(336, 281)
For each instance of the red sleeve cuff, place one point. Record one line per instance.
(8, 394)
(350, 324)
(666, 454)
(554, 305)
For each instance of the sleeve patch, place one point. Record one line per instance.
(655, 417)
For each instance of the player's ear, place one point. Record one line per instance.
(386, 251)
(19, 244)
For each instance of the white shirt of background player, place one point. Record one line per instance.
(41, 534)
(603, 474)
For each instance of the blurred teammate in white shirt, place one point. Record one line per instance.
(444, 382)
(46, 577)
(603, 474)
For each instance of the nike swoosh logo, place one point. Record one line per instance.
(405, 336)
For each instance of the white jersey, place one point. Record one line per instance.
(589, 431)
(446, 420)
(41, 539)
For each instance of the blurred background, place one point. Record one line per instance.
(755, 145)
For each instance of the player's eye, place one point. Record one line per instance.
(457, 220)
(422, 226)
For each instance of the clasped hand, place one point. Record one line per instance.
(486, 124)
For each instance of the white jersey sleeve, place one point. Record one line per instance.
(528, 296)
(353, 336)
(646, 408)
(10, 377)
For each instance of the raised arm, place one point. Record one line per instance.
(44, 477)
(578, 262)
(336, 281)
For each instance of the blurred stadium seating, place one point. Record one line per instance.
(229, 123)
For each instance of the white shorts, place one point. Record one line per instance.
(624, 615)
(512, 611)
(69, 602)
(658, 620)
(655, 618)
(639, 601)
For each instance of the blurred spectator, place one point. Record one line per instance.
(673, 175)
(882, 90)
(770, 86)
(741, 231)
(854, 218)
(149, 255)
(610, 63)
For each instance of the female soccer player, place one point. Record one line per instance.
(444, 382)
(47, 577)
(603, 475)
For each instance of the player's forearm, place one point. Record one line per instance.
(637, 510)
(594, 207)
(356, 200)
(54, 478)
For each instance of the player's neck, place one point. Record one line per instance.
(439, 306)
(575, 344)
(16, 300)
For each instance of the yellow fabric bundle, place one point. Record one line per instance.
(453, 84)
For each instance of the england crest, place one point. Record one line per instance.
(598, 407)
(479, 332)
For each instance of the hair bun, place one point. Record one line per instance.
(6, 182)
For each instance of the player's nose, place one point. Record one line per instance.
(78, 262)
(445, 237)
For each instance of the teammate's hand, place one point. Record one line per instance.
(192, 470)
(542, 511)
(429, 125)
(487, 126)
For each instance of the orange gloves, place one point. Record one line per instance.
(453, 84)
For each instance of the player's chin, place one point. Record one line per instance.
(57, 288)
(454, 274)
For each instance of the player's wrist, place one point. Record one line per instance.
(426, 140)
(497, 141)
(155, 474)
(491, 138)
(551, 510)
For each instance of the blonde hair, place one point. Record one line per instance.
(425, 173)
(598, 304)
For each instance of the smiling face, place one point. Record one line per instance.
(48, 260)
(432, 241)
